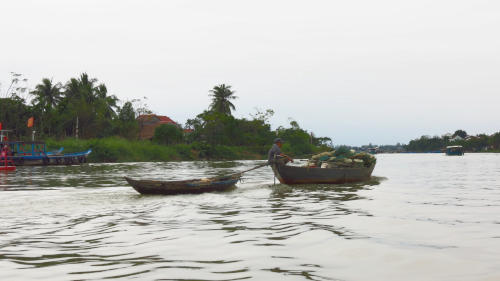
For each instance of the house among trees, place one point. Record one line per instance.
(149, 122)
(456, 138)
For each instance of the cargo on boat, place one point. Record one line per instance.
(185, 186)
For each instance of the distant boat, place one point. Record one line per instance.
(372, 150)
(454, 150)
(34, 153)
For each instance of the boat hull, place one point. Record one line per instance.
(181, 187)
(51, 159)
(7, 168)
(307, 175)
(454, 153)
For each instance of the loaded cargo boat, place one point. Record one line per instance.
(313, 175)
(337, 166)
(34, 153)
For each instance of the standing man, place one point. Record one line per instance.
(275, 152)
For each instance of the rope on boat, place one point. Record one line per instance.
(239, 174)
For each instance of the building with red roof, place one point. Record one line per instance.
(149, 122)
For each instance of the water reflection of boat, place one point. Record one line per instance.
(185, 186)
(454, 150)
(305, 175)
(35, 153)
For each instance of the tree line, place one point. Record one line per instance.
(83, 108)
(477, 143)
(216, 126)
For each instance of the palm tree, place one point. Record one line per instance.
(47, 96)
(108, 103)
(72, 89)
(88, 88)
(221, 99)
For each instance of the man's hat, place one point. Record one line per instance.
(276, 140)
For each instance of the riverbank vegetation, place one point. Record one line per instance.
(81, 114)
(477, 143)
(116, 149)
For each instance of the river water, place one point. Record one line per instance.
(421, 217)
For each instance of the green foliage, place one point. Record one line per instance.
(213, 127)
(57, 110)
(481, 142)
(221, 99)
(114, 149)
(460, 133)
(126, 125)
(343, 152)
(46, 97)
(82, 106)
(427, 144)
(14, 114)
(216, 129)
(368, 160)
(168, 134)
(298, 142)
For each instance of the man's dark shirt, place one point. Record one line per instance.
(274, 151)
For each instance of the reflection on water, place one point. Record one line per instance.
(421, 217)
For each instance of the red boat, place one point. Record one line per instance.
(8, 164)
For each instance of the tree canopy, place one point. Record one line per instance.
(221, 99)
(480, 142)
(83, 107)
(60, 109)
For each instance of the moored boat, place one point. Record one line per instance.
(34, 153)
(315, 175)
(184, 186)
(7, 164)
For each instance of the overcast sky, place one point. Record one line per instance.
(356, 71)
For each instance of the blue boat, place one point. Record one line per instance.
(454, 150)
(34, 153)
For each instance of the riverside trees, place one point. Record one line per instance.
(217, 126)
(81, 107)
(480, 142)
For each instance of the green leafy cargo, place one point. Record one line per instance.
(341, 158)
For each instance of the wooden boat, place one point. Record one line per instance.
(185, 186)
(34, 153)
(309, 175)
(454, 150)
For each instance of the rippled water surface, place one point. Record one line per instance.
(421, 217)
